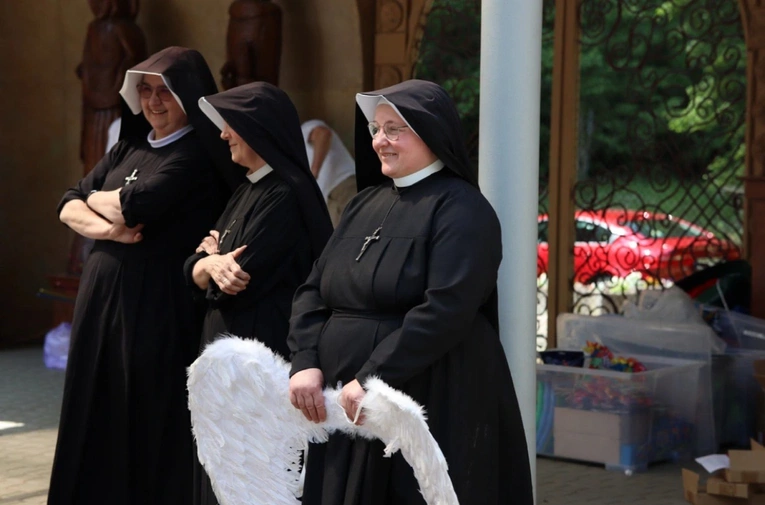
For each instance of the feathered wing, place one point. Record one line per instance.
(249, 437)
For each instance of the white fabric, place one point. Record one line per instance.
(408, 180)
(130, 93)
(170, 138)
(249, 436)
(211, 112)
(337, 166)
(113, 134)
(259, 173)
(368, 104)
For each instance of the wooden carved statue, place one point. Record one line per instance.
(113, 44)
(253, 43)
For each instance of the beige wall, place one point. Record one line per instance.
(40, 46)
(321, 54)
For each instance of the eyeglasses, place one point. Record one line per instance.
(163, 93)
(390, 131)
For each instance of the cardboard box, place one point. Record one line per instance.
(599, 437)
(747, 466)
(742, 484)
(718, 486)
(696, 495)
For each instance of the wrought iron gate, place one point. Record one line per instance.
(659, 140)
(660, 145)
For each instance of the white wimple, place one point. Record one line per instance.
(249, 436)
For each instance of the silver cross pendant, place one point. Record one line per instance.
(130, 178)
(368, 241)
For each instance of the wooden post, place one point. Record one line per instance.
(753, 17)
(563, 156)
(367, 22)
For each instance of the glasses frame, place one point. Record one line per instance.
(391, 131)
(162, 92)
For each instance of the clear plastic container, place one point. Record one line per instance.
(632, 337)
(635, 336)
(622, 420)
(737, 395)
(740, 330)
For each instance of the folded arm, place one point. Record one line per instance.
(82, 219)
(107, 203)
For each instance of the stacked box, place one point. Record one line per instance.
(741, 483)
(622, 420)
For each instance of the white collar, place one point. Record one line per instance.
(170, 138)
(259, 173)
(411, 179)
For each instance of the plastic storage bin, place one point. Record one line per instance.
(622, 420)
(739, 330)
(636, 336)
(633, 337)
(737, 395)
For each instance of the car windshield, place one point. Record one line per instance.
(664, 227)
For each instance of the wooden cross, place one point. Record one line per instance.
(130, 178)
(368, 241)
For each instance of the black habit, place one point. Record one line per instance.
(281, 218)
(418, 310)
(124, 434)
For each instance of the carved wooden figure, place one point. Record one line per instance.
(113, 44)
(253, 43)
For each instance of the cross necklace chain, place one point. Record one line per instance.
(226, 232)
(375, 236)
(131, 178)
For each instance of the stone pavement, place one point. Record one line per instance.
(30, 395)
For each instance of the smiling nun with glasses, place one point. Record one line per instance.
(406, 291)
(124, 435)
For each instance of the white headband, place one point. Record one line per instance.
(211, 113)
(369, 103)
(130, 93)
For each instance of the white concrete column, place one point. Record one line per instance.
(511, 47)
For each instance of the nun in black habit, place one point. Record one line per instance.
(124, 433)
(406, 291)
(272, 230)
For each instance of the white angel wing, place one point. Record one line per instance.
(249, 436)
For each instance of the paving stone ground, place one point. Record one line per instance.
(30, 394)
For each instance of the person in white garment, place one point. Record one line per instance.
(331, 164)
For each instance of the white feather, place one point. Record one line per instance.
(249, 436)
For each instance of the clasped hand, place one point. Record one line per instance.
(226, 272)
(209, 243)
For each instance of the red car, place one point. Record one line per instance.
(615, 243)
